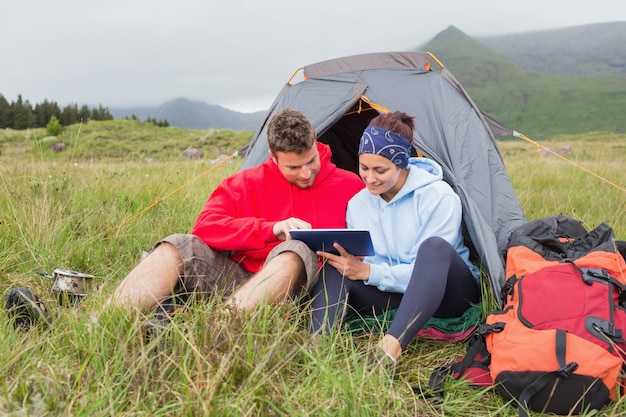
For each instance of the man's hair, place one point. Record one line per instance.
(290, 131)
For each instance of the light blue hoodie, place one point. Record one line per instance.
(425, 206)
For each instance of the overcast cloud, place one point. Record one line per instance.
(233, 53)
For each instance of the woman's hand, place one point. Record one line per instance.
(350, 266)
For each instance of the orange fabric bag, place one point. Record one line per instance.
(558, 344)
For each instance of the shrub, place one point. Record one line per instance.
(53, 128)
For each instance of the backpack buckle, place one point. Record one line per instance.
(490, 328)
(605, 327)
(598, 273)
(567, 370)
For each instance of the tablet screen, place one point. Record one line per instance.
(357, 242)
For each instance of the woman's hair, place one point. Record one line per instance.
(290, 131)
(396, 121)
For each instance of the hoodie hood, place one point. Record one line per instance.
(422, 172)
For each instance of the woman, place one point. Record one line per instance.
(421, 266)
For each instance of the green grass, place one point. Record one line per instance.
(78, 210)
(121, 140)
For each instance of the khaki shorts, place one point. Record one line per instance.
(206, 271)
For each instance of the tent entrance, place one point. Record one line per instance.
(343, 137)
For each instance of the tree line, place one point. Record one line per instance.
(20, 114)
(153, 120)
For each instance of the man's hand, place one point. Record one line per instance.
(281, 229)
(350, 266)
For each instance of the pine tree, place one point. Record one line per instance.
(45, 111)
(69, 115)
(84, 114)
(22, 113)
(4, 112)
(54, 128)
(101, 113)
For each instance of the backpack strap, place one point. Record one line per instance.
(597, 274)
(565, 371)
(476, 356)
(507, 289)
(473, 367)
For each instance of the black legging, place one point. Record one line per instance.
(441, 285)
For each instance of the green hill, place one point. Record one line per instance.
(127, 140)
(597, 50)
(536, 104)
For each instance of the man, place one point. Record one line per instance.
(240, 243)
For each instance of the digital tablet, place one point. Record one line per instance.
(357, 242)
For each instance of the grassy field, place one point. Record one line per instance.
(77, 211)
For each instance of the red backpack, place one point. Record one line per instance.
(558, 345)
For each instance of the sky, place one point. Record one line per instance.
(236, 54)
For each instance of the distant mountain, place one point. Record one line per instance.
(543, 83)
(596, 50)
(537, 104)
(190, 114)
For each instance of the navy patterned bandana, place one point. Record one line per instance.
(391, 145)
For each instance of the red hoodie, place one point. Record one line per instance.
(240, 214)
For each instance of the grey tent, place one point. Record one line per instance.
(340, 96)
